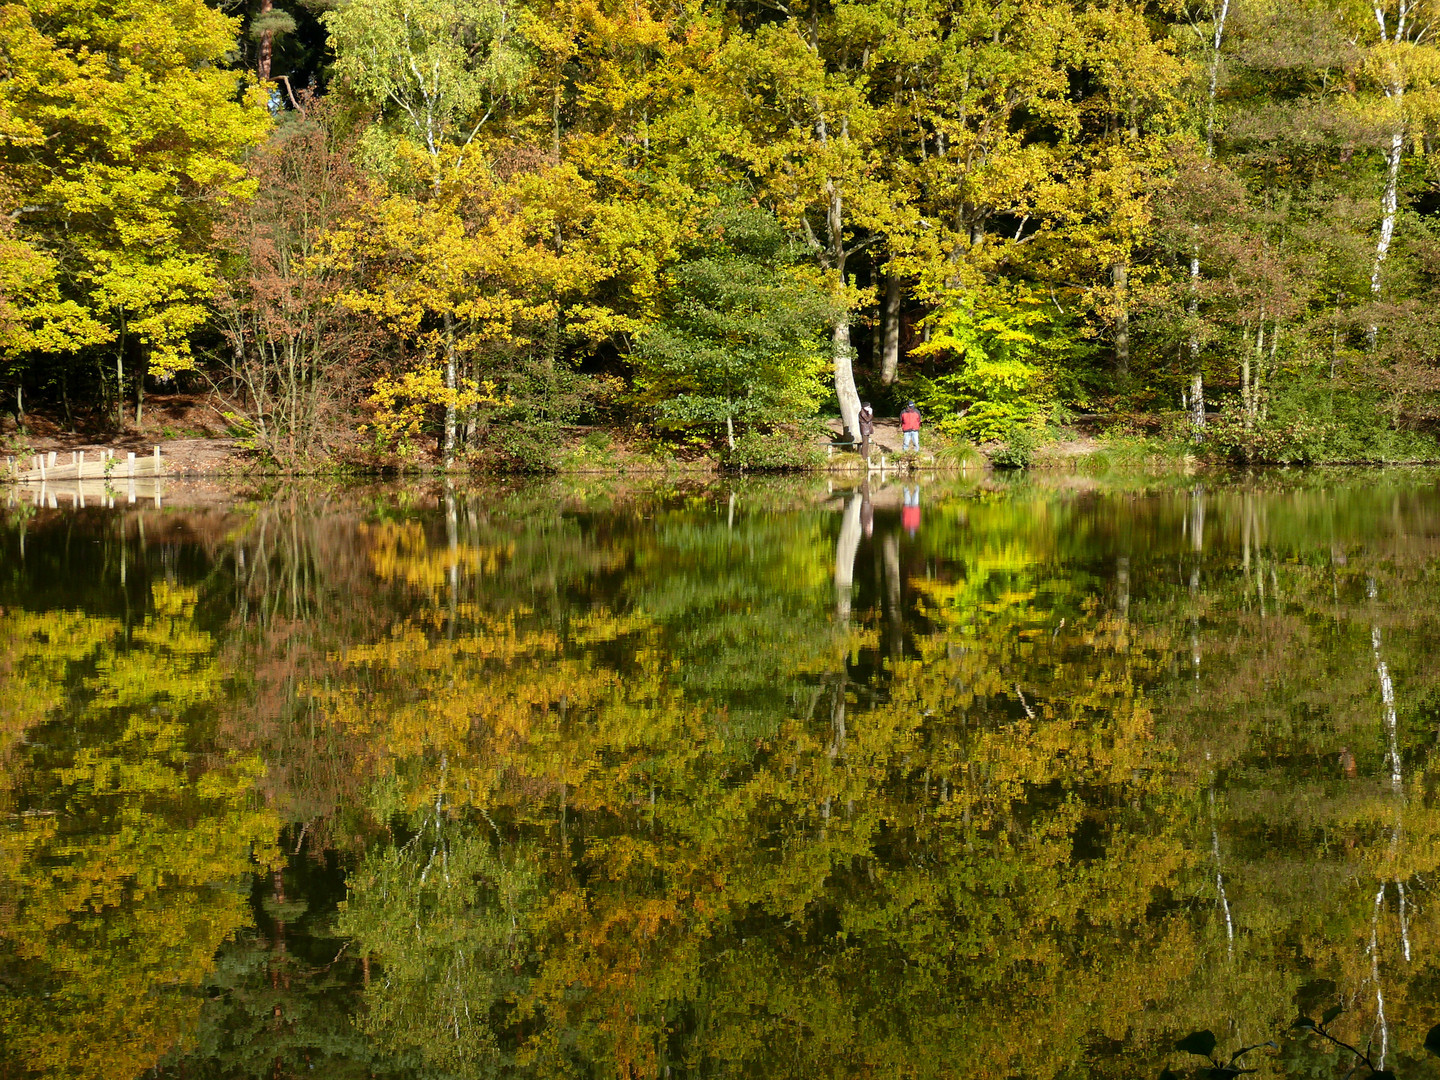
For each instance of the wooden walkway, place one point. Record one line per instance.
(81, 465)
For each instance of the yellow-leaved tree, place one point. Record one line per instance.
(123, 130)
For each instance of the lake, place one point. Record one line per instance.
(1003, 778)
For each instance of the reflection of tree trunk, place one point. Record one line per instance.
(1197, 518)
(845, 548)
(893, 610)
(1380, 1019)
(1387, 698)
(837, 720)
(1397, 786)
(452, 543)
(890, 348)
(1219, 873)
(1120, 276)
(448, 447)
(1122, 602)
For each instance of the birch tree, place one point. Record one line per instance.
(439, 71)
(1403, 64)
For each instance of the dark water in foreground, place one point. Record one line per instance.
(756, 782)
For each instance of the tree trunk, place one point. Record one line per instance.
(449, 446)
(845, 392)
(1389, 202)
(1197, 377)
(1197, 406)
(890, 348)
(1197, 372)
(894, 612)
(267, 43)
(1120, 276)
(730, 432)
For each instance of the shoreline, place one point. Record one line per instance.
(609, 453)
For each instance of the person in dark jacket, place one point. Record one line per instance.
(867, 429)
(910, 427)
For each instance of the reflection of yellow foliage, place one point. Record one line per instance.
(691, 831)
(126, 869)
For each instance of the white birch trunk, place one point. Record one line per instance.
(1197, 376)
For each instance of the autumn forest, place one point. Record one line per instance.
(453, 229)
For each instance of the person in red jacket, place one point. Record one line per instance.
(910, 427)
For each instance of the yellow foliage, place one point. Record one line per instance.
(400, 405)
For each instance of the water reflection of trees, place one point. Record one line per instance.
(1034, 791)
(917, 874)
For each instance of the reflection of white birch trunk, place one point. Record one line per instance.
(452, 543)
(1387, 696)
(845, 548)
(1397, 785)
(1220, 874)
(1380, 1019)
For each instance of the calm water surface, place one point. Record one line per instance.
(754, 781)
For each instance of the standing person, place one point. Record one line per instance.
(867, 429)
(910, 426)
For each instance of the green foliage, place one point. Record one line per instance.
(1017, 449)
(122, 130)
(1005, 348)
(1314, 419)
(438, 68)
(741, 336)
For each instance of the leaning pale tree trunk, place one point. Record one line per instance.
(832, 255)
(1197, 371)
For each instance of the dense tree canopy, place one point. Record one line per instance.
(1011, 211)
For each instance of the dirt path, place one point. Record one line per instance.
(188, 428)
(886, 438)
(183, 457)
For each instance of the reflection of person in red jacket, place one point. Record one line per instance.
(910, 514)
(910, 427)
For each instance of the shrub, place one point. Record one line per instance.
(776, 451)
(1018, 449)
